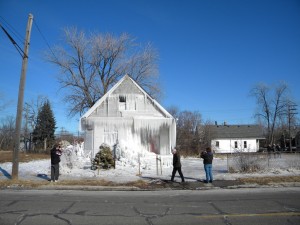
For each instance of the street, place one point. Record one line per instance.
(270, 206)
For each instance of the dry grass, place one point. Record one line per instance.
(34, 184)
(7, 156)
(140, 183)
(21, 183)
(269, 180)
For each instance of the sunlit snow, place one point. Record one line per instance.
(134, 165)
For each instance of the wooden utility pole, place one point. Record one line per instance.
(15, 167)
(291, 113)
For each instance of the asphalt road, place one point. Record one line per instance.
(270, 206)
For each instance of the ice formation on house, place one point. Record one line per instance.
(74, 158)
(129, 117)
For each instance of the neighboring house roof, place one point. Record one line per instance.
(236, 131)
(99, 102)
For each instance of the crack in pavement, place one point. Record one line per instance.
(149, 217)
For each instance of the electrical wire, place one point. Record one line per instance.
(19, 49)
(12, 30)
(45, 40)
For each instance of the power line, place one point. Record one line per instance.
(12, 30)
(45, 40)
(19, 49)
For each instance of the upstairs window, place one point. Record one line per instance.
(217, 144)
(122, 102)
(245, 144)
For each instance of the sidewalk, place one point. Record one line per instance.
(146, 185)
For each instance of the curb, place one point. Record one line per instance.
(157, 188)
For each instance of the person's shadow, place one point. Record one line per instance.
(5, 173)
(43, 176)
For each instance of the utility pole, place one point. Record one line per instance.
(291, 113)
(15, 167)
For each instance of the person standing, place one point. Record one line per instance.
(55, 159)
(176, 165)
(207, 157)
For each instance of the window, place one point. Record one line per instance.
(217, 144)
(245, 144)
(122, 98)
(235, 144)
(122, 102)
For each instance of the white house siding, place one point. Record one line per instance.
(228, 145)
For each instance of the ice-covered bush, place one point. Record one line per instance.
(104, 158)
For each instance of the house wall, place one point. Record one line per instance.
(111, 131)
(228, 145)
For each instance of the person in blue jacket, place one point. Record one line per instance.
(207, 157)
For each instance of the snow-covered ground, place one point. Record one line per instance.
(133, 166)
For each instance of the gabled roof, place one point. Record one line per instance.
(99, 102)
(236, 131)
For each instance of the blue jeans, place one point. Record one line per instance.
(208, 172)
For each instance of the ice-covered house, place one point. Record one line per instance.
(235, 138)
(127, 115)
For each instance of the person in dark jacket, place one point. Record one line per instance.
(55, 159)
(207, 157)
(176, 165)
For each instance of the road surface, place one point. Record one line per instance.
(270, 206)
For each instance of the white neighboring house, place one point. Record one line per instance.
(127, 115)
(235, 138)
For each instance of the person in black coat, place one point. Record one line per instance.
(55, 159)
(176, 165)
(207, 157)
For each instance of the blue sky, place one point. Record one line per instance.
(211, 52)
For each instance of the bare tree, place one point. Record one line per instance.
(90, 65)
(3, 102)
(205, 134)
(270, 107)
(188, 138)
(174, 111)
(32, 109)
(7, 131)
